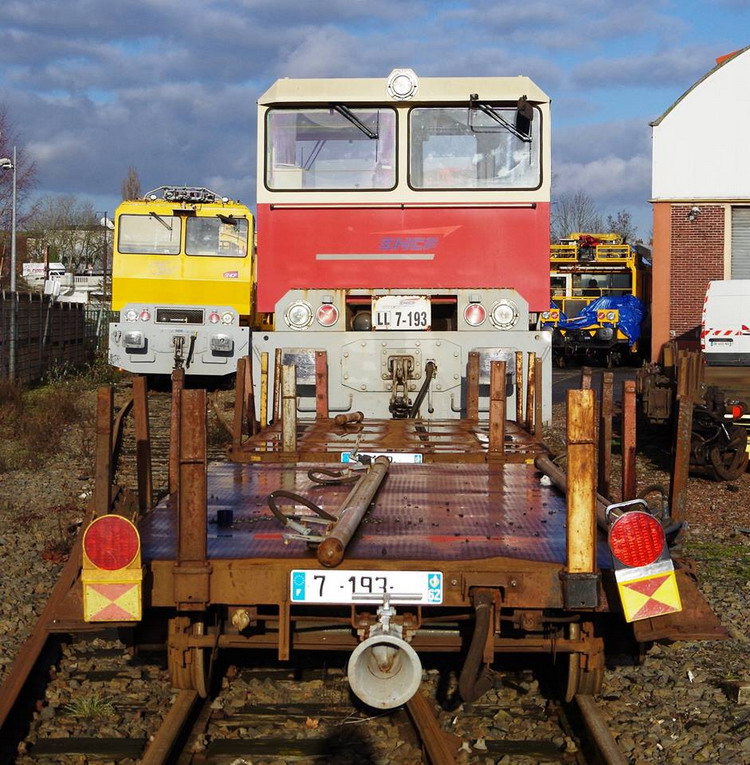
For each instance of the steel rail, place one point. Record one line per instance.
(598, 730)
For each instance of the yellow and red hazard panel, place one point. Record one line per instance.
(112, 575)
(644, 571)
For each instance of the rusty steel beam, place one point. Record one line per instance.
(606, 411)
(350, 418)
(321, 384)
(530, 390)
(581, 494)
(585, 378)
(472, 386)
(288, 408)
(497, 408)
(240, 383)
(538, 380)
(192, 570)
(178, 383)
(442, 748)
(276, 404)
(105, 404)
(683, 438)
(350, 514)
(629, 482)
(142, 443)
(519, 387)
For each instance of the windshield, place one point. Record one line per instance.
(150, 234)
(455, 147)
(225, 237)
(336, 148)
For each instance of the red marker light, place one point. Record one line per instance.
(327, 315)
(636, 538)
(111, 542)
(738, 410)
(475, 314)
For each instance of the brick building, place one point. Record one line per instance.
(700, 197)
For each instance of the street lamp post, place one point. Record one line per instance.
(7, 164)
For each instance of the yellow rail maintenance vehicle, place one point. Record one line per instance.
(600, 289)
(183, 281)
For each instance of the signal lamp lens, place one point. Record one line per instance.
(214, 317)
(636, 538)
(131, 315)
(504, 314)
(111, 542)
(327, 315)
(227, 317)
(475, 314)
(299, 315)
(738, 410)
(145, 315)
(611, 316)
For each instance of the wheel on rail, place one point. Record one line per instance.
(189, 666)
(584, 671)
(730, 463)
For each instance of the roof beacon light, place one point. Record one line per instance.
(402, 84)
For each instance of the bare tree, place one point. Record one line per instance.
(66, 230)
(622, 223)
(131, 186)
(574, 211)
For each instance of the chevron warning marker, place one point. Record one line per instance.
(650, 596)
(112, 601)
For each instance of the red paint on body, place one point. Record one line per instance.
(403, 248)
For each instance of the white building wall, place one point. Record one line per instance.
(701, 147)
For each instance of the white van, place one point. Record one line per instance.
(725, 327)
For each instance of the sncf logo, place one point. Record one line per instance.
(408, 243)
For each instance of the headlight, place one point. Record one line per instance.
(504, 314)
(299, 315)
(131, 315)
(227, 317)
(475, 314)
(605, 333)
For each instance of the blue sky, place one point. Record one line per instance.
(92, 87)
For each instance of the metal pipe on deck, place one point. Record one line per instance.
(331, 549)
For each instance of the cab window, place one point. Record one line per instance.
(218, 236)
(149, 234)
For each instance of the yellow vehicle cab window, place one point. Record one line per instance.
(216, 237)
(150, 234)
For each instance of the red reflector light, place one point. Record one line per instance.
(214, 317)
(145, 315)
(636, 538)
(327, 315)
(111, 542)
(738, 411)
(475, 314)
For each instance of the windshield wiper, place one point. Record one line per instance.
(161, 220)
(348, 114)
(523, 117)
(230, 220)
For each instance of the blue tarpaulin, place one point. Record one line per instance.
(632, 311)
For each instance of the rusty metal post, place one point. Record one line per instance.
(472, 386)
(350, 514)
(276, 405)
(288, 408)
(606, 411)
(178, 383)
(538, 380)
(264, 389)
(530, 391)
(321, 384)
(497, 408)
(240, 381)
(192, 569)
(629, 483)
(683, 437)
(585, 378)
(248, 404)
(142, 443)
(105, 404)
(519, 387)
(581, 496)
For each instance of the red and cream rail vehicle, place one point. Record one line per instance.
(402, 223)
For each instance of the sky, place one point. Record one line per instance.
(93, 87)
